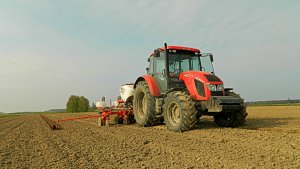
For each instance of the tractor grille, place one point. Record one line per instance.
(216, 93)
(200, 88)
(212, 78)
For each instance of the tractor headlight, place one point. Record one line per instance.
(213, 87)
(220, 87)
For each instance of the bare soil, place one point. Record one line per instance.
(270, 139)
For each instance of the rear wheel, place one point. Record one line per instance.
(232, 119)
(179, 112)
(144, 105)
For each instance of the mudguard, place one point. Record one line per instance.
(153, 87)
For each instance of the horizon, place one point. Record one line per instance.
(51, 50)
(50, 110)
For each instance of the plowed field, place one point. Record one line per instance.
(270, 139)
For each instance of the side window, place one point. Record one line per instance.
(150, 68)
(159, 66)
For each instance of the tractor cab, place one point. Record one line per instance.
(167, 65)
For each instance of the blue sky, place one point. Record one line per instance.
(52, 49)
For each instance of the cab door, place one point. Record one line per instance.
(159, 73)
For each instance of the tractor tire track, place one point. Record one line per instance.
(8, 119)
(12, 142)
(11, 125)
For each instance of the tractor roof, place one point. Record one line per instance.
(178, 48)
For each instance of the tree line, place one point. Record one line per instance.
(79, 104)
(274, 102)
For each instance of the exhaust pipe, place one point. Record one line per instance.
(167, 65)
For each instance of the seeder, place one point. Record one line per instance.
(123, 112)
(121, 109)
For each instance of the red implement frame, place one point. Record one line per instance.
(77, 118)
(122, 113)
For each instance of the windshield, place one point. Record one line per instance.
(187, 62)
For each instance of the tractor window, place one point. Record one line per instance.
(159, 66)
(185, 65)
(195, 63)
(206, 64)
(150, 68)
(182, 62)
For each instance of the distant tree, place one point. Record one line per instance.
(77, 104)
(72, 104)
(83, 104)
(93, 107)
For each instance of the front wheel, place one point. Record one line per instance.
(179, 112)
(232, 119)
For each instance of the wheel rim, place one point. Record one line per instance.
(142, 104)
(174, 114)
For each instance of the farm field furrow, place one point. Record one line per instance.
(270, 139)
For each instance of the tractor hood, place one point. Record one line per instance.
(204, 77)
(201, 85)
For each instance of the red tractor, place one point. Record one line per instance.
(180, 87)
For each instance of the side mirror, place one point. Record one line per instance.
(148, 59)
(211, 57)
(147, 69)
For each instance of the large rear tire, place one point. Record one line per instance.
(179, 112)
(144, 105)
(232, 119)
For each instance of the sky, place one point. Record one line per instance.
(51, 49)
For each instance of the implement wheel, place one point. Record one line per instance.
(128, 120)
(101, 121)
(118, 120)
(144, 106)
(179, 112)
